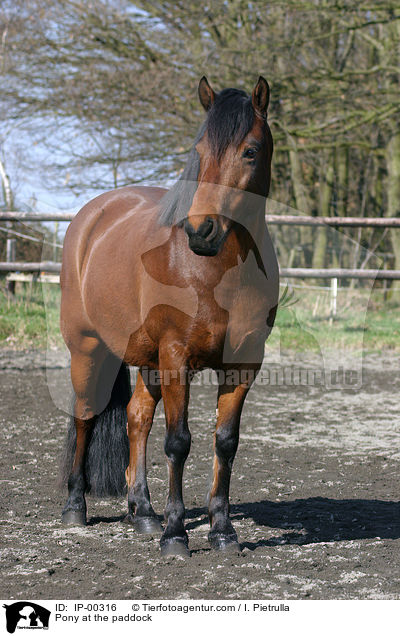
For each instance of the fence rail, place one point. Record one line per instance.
(331, 221)
(285, 272)
(272, 219)
(307, 272)
(44, 266)
(37, 216)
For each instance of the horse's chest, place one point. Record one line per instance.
(205, 343)
(236, 337)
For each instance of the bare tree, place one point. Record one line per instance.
(109, 88)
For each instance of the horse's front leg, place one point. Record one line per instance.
(140, 411)
(222, 535)
(175, 393)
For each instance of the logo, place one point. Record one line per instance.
(26, 615)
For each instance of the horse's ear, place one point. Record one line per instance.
(206, 94)
(260, 96)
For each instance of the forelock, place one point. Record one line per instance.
(229, 120)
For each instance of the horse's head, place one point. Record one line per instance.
(235, 152)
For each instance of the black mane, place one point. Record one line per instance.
(228, 121)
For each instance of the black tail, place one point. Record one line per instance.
(108, 451)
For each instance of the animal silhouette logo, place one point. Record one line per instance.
(26, 615)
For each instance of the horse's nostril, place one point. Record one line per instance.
(188, 227)
(214, 230)
(206, 231)
(206, 228)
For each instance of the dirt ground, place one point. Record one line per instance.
(314, 495)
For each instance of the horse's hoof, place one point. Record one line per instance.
(230, 547)
(224, 543)
(73, 518)
(144, 525)
(147, 525)
(175, 547)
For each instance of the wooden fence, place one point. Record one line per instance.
(272, 219)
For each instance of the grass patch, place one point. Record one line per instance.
(30, 319)
(363, 321)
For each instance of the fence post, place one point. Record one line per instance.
(11, 252)
(55, 241)
(333, 298)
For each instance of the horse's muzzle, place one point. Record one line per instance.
(207, 239)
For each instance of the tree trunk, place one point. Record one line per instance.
(7, 193)
(342, 167)
(303, 201)
(393, 194)
(321, 241)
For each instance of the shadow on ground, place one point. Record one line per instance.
(316, 519)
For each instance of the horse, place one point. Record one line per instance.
(171, 282)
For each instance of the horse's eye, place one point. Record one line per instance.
(250, 153)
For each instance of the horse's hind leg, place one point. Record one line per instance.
(85, 369)
(222, 535)
(141, 410)
(74, 512)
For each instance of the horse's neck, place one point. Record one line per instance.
(251, 232)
